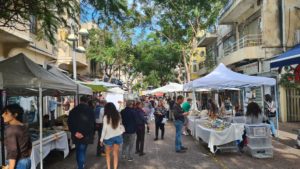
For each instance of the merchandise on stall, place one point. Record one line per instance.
(23, 77)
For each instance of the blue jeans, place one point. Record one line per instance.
(80, 154)
(272, 125)
(178, 139)
(24, 163)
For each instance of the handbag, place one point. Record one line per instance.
(164, 120)
(122, 128)
(269, 113)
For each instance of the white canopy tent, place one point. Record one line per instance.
(222, 77)
(169, 88)
(115, 95)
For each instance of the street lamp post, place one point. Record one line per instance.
(73, 38)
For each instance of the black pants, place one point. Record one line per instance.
(140, 133)
(100, 149)
(161, 126)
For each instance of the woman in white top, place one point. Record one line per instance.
(112, 133)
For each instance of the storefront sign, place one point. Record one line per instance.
(248, 69)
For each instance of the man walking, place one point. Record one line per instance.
(129, 120)
(99, 113)
(81, 125)
(179, 115)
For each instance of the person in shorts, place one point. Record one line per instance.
(112, 132)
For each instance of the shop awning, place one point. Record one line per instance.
(290, 57)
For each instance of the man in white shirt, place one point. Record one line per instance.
(99, 114)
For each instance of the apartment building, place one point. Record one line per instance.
(250, 33)
(25, 41)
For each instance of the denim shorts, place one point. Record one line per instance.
(24, 163)
(114, 140)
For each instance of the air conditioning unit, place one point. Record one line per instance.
(297, 36)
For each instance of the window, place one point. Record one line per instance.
(195, 66)
(33, 24)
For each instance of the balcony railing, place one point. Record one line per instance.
(246, 41)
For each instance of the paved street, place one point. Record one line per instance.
(161, 155)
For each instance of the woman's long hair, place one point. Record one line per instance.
(112, 115)
(268, 98)
(253, 109)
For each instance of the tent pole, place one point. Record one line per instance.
(263, 97)
(277, 109)
(243, 100)
(3, 104)
(41, 126)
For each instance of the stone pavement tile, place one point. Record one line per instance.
(159, 155)
(284, 157)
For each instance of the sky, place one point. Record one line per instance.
(87, 17)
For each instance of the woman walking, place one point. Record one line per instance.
(160, 114)
(111, 133)
(17, 139)
(141, 122)
(270, 111)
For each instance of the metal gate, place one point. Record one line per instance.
(293, 104)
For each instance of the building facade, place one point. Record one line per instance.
(250, 33)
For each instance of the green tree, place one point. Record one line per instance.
(111, 51)
(53, 14)
(181, 22)
(156, 60)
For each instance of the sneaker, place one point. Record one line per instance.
(180, 151)
(184, 133)
(183, 148)
(141, 154)
(130, 159)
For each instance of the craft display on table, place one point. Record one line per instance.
(216, 124)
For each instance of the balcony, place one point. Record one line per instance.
(247, 48)
(9, 35)
(207, 38)
(65, 61)
(43, 47)
(233, 10)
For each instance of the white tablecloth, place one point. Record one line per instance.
(58, 141)
(192, 125)
(215, 138)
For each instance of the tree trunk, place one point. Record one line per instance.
(186, 66)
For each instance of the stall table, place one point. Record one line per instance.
(217, 138)
(57, 141)
(192, 124)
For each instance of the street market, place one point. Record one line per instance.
(150, 84)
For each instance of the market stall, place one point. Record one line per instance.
(116, 96)
(23, 77)
(54, 141)
(220, 132)
(216, 136)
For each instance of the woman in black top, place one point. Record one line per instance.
(160, 113)
(17, 139)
